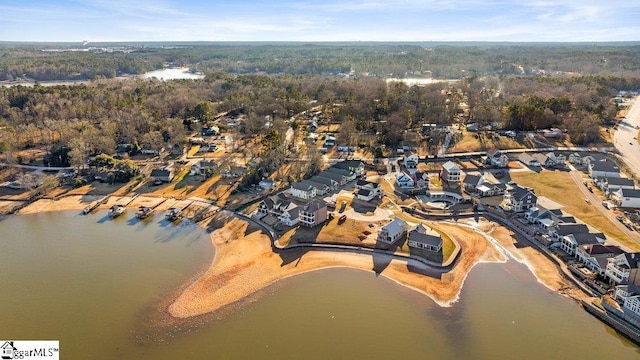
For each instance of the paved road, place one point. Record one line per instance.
(596, 202)
(624, 137)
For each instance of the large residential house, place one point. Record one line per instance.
(423, 238)
(628, 296)
(333, 184)
(200, 168)
(164, 175)
(547, 218)
(520, 199)
(495, 157)
(421, 179)
(529, 160)
(303, 190)
(623, 267)
(570, 242)
(596, 256)
(313, 213)
(393, 231)
(609, 185)
(367, 190)
(278, 206)
(558, 231)
(340, 179)
(411, 162)
(348, 174)
(603, 168)
(450, 173)
(556, 157)
(471, 182)
(355, 166)
(404, 181)
(627, 198)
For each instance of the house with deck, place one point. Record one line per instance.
(595, 257)
(313, 213)
(623, 267)
(497, 158)
(450, 173)
(279, 208)
(519, 199)
(628, 297)
(609, 185)
(627, 198)
(393, 231)
(404, 181)
(570, 242)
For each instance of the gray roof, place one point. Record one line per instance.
(331, 175)
(317, 185)
(518, 192)
(618, 181)
(568, 229)
(348, 164)
(302, 185)
(340, 171)
(588, 238)
(160, 173)
(599, 249)
(364, 192)
(606, 166)
(323, 180)
(472, 179)
(396, 226)
(425, 238)
(630, 193)
(633, 259)
(314, 205)
(450, 166)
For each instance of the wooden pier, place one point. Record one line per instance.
(94, 205)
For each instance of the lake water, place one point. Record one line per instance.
(91, 282)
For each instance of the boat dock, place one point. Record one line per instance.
(94, 205)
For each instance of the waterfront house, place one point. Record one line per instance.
(623, 267)
(421, 179)
(280, 208)
(303, 190)
(603, 168)
(450, 173)
(520, 199)
(628, 296)
(313, 213)
(570, 242)
(393, 231)
(627, 198)
(411, 162)
(404, 181)
(422, 238)
(164, 175)
(547, 218)
(496, 158)
(529, 160)
(596, 256)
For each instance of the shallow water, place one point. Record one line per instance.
(90, 282)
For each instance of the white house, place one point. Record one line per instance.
(623, 267)
(627, 198)
(596, 256)
(628, 295)
(411, 162)
(603, 168)
(570, 242)
(495, 157)
(303, 190)
(404, 181)
(393, 231)
(450, 173)
(609, 185)
(367, 190)
(556, 157)
(355, 166)
(200, 168)
(519, 199)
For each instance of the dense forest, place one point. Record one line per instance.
(75, 122)
(43, 62)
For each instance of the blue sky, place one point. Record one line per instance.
(326, 20)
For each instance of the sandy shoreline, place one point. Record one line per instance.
(245, 263)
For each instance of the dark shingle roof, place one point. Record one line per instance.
(425, 238)
(567, 229)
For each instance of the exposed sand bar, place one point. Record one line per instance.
(245, 264)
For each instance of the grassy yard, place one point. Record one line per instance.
(559, 187)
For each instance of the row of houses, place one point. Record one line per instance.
(548, 160)
(589, 248)
(329, 180)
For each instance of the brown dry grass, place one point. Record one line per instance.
(557, 185)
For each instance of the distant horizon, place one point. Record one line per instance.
(493, 21)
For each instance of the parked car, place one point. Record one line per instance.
(619, 217)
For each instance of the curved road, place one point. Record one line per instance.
(624, 137)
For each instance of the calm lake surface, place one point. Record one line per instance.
(89, 281)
